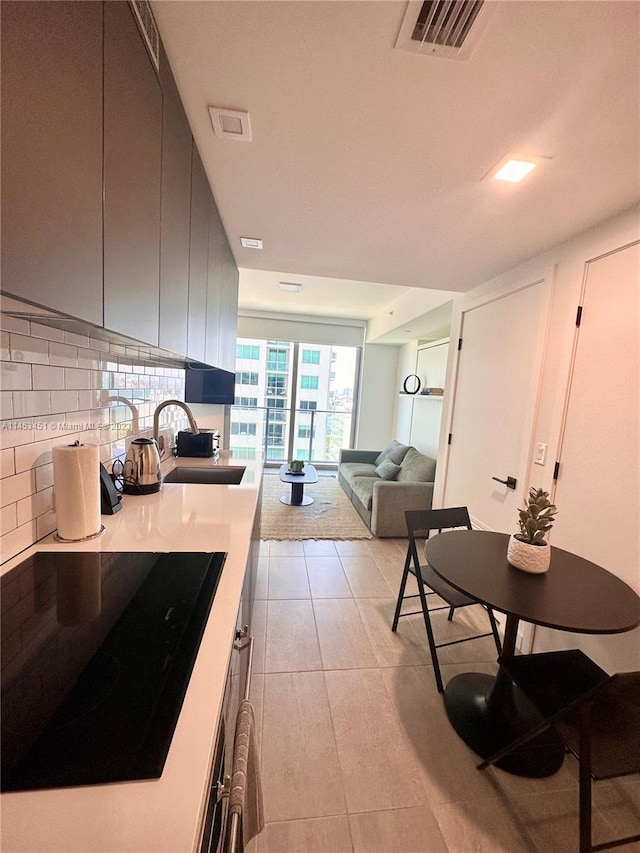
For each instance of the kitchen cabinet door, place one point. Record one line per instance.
(228, 308)
(175, 212)
(198, 253)
(214, 269)
(132, 163)
(52, 155)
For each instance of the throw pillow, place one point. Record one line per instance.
(417, 468)
(387, 470)
(398, 453)
(384, 453)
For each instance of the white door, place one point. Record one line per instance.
(598, 488)
(494, 405)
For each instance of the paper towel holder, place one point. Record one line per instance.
(82, 539)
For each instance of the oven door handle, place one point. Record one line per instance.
(233, 835)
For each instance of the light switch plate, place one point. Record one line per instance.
(541, 454)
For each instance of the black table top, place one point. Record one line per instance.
(574, 595)
(309, 475)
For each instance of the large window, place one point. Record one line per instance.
(284, 376)
(240, 428)
(245, 377)
(309, 383)
(311, 356)
(276, 384)
(247, 351)
(277, 359)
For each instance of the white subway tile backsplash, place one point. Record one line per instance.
(73, 397)
(8, 519)
(63, 355)
(14, 324)
(76, 378)
(16, 433)
(47, 378)
(5, 350)
(6, 404)
(35, 505)
(26, 348)
(49, 333)
(64, 401)
(29, 403)
(45, 525)
(44, 476)
(16, 376)
(17, 487)
(18, 540)
(89, 358)
(7, 463)
(76, 340)
(32, 455)
(101, 346)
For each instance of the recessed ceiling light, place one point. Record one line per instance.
(514, 167)
(232, 124)
(290, 286)
(250, 243)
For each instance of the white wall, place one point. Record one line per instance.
(568, 261)
(378, 396)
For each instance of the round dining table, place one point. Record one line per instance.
(575, 595)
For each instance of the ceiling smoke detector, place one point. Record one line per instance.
(230, 124)
(449, 29)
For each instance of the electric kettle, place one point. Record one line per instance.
(141, 473)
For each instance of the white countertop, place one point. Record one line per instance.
(160, 815)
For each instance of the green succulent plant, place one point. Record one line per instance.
(536, 519)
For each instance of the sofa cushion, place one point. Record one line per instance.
(417, 468)
(387, 470)
(362, 488)
(392, 451)
(349, 470)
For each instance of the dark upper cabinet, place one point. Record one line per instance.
(229, 276)
(132, 169)
(201, 201)
(214, 286)
(175, 213)
(52, 155)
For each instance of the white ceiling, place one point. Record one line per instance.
(366, 162)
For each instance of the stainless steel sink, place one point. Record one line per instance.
(231, 476)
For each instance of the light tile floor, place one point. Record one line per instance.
(357, 754)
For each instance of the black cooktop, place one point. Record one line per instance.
(97, 652)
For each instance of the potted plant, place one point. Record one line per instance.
(296, 466)
(528, 549)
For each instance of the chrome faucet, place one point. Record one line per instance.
(156, 418)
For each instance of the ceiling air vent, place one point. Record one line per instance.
(148, 28)
(446, 28)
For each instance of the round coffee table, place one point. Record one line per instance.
(297, 497)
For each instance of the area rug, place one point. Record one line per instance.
(330, 516)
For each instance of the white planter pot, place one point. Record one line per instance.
(528, 558)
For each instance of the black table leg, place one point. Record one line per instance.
(489, 713)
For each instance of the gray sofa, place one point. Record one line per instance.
(382, 485)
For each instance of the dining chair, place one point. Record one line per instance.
(596, 714)
(420, 523)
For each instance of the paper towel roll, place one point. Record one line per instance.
(76, 480)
